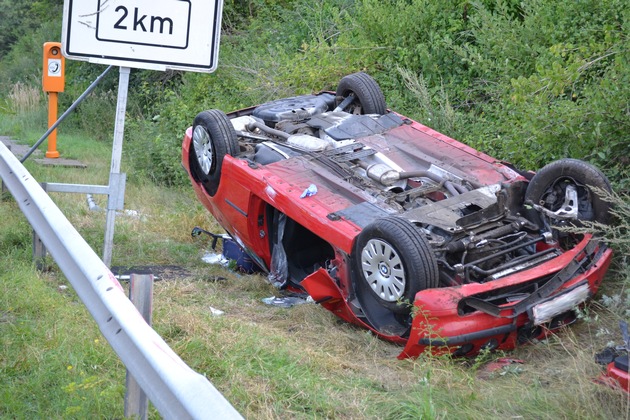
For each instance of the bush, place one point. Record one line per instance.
(558, 81)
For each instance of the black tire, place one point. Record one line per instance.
(369, 98)
(392, 262)
(547, 188)
(213, 138)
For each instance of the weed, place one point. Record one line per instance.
(24, 98)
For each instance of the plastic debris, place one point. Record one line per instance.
(286, 301)
(615, 359)
(310, 191)
(215, 311)
(95, 207)
(127, 277)
(215, 258)
(279, 269)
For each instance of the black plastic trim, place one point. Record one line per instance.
(466, 338)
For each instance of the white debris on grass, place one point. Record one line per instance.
(215, 258)
(287, 301)
(215, 311)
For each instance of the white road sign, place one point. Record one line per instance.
(148, 34)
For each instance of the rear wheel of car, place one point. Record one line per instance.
(557, 184)
(213, 138)
(368, 97)
(393, 262)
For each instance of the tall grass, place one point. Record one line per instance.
(24, 98)
(616, 295)
(23, 111)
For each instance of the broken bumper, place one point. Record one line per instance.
(498, 315)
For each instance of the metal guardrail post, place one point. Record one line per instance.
(39, 249)
(4, 192)
(39, 252)
(177, 391)
(141, 294)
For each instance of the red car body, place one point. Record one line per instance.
(461, 316)
(616, 375)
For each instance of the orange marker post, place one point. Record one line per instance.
(52, 117)
(53, 82)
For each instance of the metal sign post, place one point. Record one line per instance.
(116, 179)
(146, 34)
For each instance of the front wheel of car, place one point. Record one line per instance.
(567, 190)
(392, 262)
(368, 97)
(213, 138)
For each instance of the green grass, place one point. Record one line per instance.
(54, 362)
(269, 362)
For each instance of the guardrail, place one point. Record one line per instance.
(175, 389)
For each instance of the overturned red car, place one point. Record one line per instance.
(396, 227)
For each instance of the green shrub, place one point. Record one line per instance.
(558, 81)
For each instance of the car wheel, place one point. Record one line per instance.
(393, 261)
(213, 138)
(368, 96)
(565, 189)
